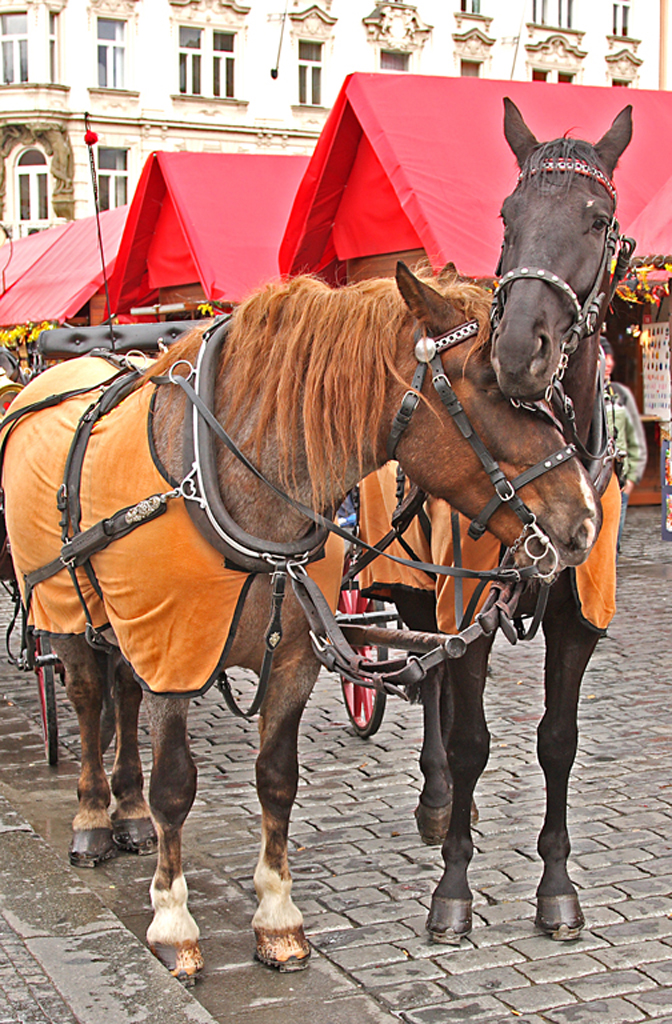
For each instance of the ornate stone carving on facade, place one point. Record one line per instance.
(313, 23)
(212, 5)
(473, 45)
(623, 43)
(466, 19)
(556, 53)
(539, 33)
(326, 4)
(623, 66)
(115, 8)
(397, 26)
(55, 142)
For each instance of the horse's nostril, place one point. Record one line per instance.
(543, 347)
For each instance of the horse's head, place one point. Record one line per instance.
(555, 488)
(558, 243)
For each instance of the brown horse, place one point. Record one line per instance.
(308, 382)
(560, 237)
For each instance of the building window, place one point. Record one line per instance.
(53, 68)
(565, 77)
(190, 60)
(621, 18)
(112, 177)
(14, 31)
(565, 11)
(540, 12)
(621, 82)
(222, 64)
(33, 181)
(470, 6)
(310, 73)
(539, 76)
(393, 60)
(470, 68)
(110, 53)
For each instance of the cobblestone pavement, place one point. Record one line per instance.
(363, 878)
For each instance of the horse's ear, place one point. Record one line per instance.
(448, 273)
(613, 143)
(426, 304)
(517, 134)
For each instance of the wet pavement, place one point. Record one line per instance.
(71, 942)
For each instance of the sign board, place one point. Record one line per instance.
(655, 341)
(666, 482)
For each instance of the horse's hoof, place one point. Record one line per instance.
(135, 835)
(560, 916)
(449, 920)
(433, 823)
(90, 847)
(283, 951)
(184, 961)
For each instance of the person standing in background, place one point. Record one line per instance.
(625, 424)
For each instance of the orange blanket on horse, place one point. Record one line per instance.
(166, 593)
(595, 580)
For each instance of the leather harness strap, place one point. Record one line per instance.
(200, 490)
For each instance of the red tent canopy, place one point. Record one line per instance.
(653, 226)
(51, 274)
(407, 161)
(216, 218)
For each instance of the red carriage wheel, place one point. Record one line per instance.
(44, 670)
(365, 706)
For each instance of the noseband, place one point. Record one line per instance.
(428, 353)
(586, 316)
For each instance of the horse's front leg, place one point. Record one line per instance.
(468, 748)
(278, 923)
(173, 933)
(432, 814)
(133, 828)
(569, 646)
(92, 827)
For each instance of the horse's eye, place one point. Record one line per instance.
(600, 224)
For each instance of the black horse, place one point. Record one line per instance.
(560, 236)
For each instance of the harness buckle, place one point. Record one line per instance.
(67, 560)
(505, 490)
(318, 642)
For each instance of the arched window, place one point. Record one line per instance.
(33, 186)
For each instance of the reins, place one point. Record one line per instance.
(281, 561)
(200, 490)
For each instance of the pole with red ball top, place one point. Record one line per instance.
(90, 138)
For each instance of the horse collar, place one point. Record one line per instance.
(200, 486)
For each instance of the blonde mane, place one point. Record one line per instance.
(309, 365)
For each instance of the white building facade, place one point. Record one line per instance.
(261, 75)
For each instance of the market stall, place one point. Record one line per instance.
(203, 227)
(57, 275)
(411, 167)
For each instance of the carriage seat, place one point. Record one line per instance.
(70, 342)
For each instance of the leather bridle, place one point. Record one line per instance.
(428, 353)
(586, 316)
